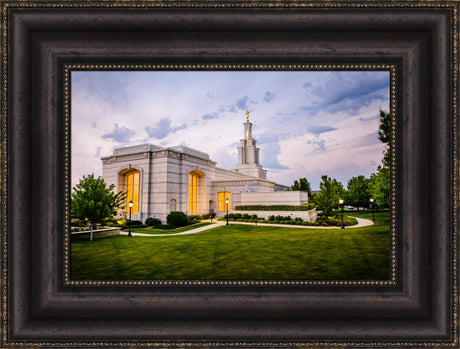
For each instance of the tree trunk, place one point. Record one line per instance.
(91, 233)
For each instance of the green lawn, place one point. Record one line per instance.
(165, 231)
(241, 252)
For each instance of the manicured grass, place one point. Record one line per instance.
(166, 231)
(241, 252)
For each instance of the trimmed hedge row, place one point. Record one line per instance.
(275, 207)
(322, 221)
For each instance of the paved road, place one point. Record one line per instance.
(361, 223)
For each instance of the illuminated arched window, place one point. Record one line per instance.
(222, 196)
(132, 190)
(192, 192)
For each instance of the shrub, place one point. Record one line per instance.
(194, 219)
(152, 222)
(351, 221)
(77, 223)
(305, 207)
(208, 215)
(122, 221)
(271, 218)
(177, 219)
(298, 219)
(108, 220)
(134, 222)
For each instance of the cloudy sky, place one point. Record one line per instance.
(306, 123)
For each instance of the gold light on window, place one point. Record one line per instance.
(223, 196)
(192, 192)
(132, 191)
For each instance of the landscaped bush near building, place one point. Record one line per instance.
(109, 221)
(208, 215)
(77, 223)
(337, 221)
(305, 207)
(322, 221)
(152, 222)
(194, 219)
(133, 224)
(177, 219)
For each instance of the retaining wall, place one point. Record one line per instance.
(310, 215)
(97, 233)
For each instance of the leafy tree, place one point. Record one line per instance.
(313, 198)
(330, 192)
(358, 191)
(92, 200)
(379, 186)
(302, 185)
(384, 135)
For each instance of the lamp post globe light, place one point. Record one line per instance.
(130, 204)
(372, 208)
(226, 201)
(341, 206)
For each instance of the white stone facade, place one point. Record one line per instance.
(274, 198)
(164, 176)
(307, 216)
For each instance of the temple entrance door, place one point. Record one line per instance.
(196, 194)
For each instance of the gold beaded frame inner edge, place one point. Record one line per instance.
(68, 68)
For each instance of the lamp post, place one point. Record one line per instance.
(226, 201)
(130, 204)
(341, 206)
(372, 208)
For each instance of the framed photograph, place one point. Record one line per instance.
(242, 209)
(245, 174)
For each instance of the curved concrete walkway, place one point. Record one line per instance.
(361, 223)
(191, 231)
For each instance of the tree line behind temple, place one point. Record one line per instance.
(93, 200)
(359, 189)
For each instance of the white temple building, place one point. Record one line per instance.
(159, 180)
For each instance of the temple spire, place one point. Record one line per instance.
(248, 153)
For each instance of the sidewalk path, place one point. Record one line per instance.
(361, 223)
(191, 231)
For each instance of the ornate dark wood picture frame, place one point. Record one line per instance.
(41, 307)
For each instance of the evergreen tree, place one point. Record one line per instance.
(330, 192)
(92, 200)
(296, 185)
(302, 185)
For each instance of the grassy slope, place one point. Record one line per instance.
(165, 231)
(241, 252)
